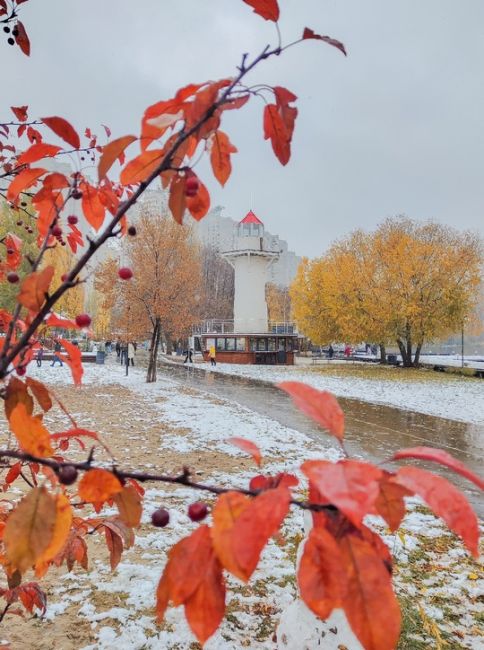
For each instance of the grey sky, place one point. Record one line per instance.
(396, 127)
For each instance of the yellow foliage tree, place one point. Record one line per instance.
(406, 283)
(278, 303)
(62, 259)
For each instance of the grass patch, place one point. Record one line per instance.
(390, 373)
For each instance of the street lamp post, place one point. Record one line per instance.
(462, 345)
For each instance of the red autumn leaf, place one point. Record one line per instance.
(141, 167)
(37, 152)
(107, 129)
(445, 500)
(321, 576)
(41, 393)
(227, 510)
(282, 479)
(92, 205)
(177, 200)
(369, 602)
(284, 98)
(390, 503)
(318, 405)
(129, 506)
(351, 485)
(13, 473)
(30, 595)
(34, 288)
(111, 152)
(13, 245)
(74, 433)
(205, 608)
(73, 360)
(20, 112)
(22, 181)
(22, 39)
(442, 457)
(199, 205)
(63, 129)
(75, 550)
(247, 446)
(56, 321)
(268, 9)
(98, 485)
(275, 130)
(220, 156)
(308, 33)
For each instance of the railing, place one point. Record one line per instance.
(219, 326)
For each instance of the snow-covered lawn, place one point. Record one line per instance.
(448, 396)
(167, 424)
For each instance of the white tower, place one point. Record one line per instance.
(250, 262)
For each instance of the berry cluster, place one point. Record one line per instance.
(13, 32)
(196, 511)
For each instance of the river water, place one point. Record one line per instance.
(373, 431)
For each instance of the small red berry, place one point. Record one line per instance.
(191, 186)
(72, 219)
(160, 518)
(83, 320)
(20, 222)
(64, 277)
(77, 194)
(197, 511)
(132, 231)
(67, 474)
(21, 371)
(12, 277)
(57, 231)
(10, 251)
(125, 273)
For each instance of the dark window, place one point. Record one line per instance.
(230, 344)
(261, 345)
(240, 343)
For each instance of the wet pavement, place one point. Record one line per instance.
(373, 432)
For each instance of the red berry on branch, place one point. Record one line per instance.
(12, 277)
(125, 273)
(83, 320)
(67, 474)
(191, 186)
(20, 222)
(197, 511)
(21, 370)
(64, 277)
(132, 231)
(160, 518)
(72, 219)
(10, 251)
(57, 231)
(77, 194)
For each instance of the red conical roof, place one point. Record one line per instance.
(250, 217)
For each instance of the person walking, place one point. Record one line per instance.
(211, 355)
(189, 356)
(57, 349)
(330, 352)
(39, 355)
(117, 347)
(131, 353)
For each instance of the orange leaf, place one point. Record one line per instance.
(37, 152)
(63, 129)
(98, 485)
(275, 129)
(40, 392)
(389, 503)
(129, 505)
(111, 152)
(205, 608)
(92, 206)
(227, 510)
(60, 534)
(318, 404)
(141, 167)
(284, 97)
(73, 360)
(445, 500)
(29, 528)
(55, 321)
(351, 485)
(22, 39)
(22, 181)
(321, 576)
(308, 33)
(17, 393)
(247, 446)
(13, 244)
(199, 204)
(369, 603)
(220, 156)
(177, 201)
(34, 288)
(31, 434)
(268, 9)
(442, 457)
(20, 112)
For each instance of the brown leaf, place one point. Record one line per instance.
(129, 505)
(17, 393)
(41, 393)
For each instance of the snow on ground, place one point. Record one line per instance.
(433, 571)
(454, 397)
(454, 360)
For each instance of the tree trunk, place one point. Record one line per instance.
(406, 358)
(155, 342)
(416, 361)
(383, 353)
(169, 343)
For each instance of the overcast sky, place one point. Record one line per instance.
(397, 127)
